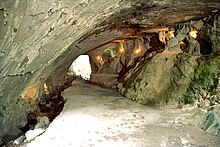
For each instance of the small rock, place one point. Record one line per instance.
(172, 42)
(206, 103)
(182, 33)
(177, 49)
(184, 141)
(176, 122)
(42, 122)
(198, 24)
(211, 124)
(198, 118)
(30, 135)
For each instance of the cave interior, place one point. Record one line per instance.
(161, 53)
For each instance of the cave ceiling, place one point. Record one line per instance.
(147, 17)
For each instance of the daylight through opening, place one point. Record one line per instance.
(81, 67)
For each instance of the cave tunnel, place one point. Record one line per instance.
(150, 73)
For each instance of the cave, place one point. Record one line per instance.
(148, 59)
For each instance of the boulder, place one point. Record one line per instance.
(42, 122)
(208, 120)
(162, 79)
(106, 80)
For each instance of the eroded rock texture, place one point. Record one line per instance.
(160, 79)
(208, 120)
(186, 71)
(40, 39)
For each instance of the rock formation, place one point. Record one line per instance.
(182, 72)
(40, 39)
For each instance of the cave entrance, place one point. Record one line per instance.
(81, 67)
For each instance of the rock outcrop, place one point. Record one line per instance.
(187, 71)
(165, 78)
(208, 120)
(39, 41)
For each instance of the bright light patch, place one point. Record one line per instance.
(46, 89)
(121, 48)
(182, 43)
(193, 33)
(98, 58)
(137, 51)
(171, 34)
(138, 46)
(81, 67)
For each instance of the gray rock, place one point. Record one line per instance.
(209, 121)
(172, 42)
(198, 118)
(194, 46)
(197, 24)
(177, 49)
(183, 33)
(107, 80)
(164, 79)
(214, 34)
(212, 122)
(147, 83)
(42, 122)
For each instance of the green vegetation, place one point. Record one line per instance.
(205, 82)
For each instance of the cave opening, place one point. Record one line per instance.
(81, 67)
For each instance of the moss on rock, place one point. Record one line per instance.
(209, 120)
(205, 82)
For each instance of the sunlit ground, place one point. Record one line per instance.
(81, 67)
(97, 117)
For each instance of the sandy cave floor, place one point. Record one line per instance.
(98, 117)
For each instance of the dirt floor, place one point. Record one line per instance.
(98, 117)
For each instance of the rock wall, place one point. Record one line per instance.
(187, 71)
(208, 120)
(160, 80)
(40, 39)
(204, 89)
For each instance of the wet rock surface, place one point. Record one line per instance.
(94, 116)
